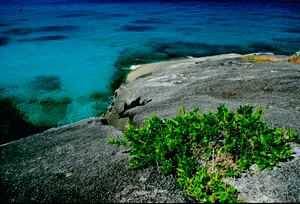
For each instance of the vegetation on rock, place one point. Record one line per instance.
(201, 150)
(295, 58)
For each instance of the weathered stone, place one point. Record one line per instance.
(208, 82)
(74, 163)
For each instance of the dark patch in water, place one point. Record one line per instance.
(56, 28)
(101, 101)
(130, 57)
(258, 14)
(187, 29)
(51, 110)
(286, 16)
(164, 51)
(99, 96)
(2, 90)
(288, 40)
(18, 31)
(3, 24)
(20, 19)
(264, 47)
(216, 19)
(183, 49)
(157, 12)
(136, 28)
(45, 83)
(55, 109)
(13, 124)
(4, 41)
(209, 22)
(225, 24)
(148, 21)
(209, 14)
(44, 38)
(253, 18)
(83, 10)
(73, 15)
(42, 29)
(292, 30)
(118, 15)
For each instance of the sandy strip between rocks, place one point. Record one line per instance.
(153, 67)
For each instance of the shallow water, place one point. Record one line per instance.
(57, 58)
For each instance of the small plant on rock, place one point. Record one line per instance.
(295, 58)
(201, 150)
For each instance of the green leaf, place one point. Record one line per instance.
(263, 153)
(261, 167)
(180, 170)
(223, 196)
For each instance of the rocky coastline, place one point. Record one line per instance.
(74, 163)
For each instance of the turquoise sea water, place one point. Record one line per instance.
(57, 58)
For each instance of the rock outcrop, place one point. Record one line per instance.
(74, 163)
(208, 82)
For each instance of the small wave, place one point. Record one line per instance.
(135, 66)
(190, 57)
(132, 67)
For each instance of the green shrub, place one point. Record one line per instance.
(202, 150)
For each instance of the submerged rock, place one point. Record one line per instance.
(48, 111)
(45, 83)
(101, 101)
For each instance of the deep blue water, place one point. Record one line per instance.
(57, 57)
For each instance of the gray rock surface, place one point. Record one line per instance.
(74, 163)
(282, 184)
(209, 82)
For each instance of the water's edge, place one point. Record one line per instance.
(18, 126)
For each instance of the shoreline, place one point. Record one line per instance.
(149, 68)
(159, 79)
(78, 154)
(145, 70)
